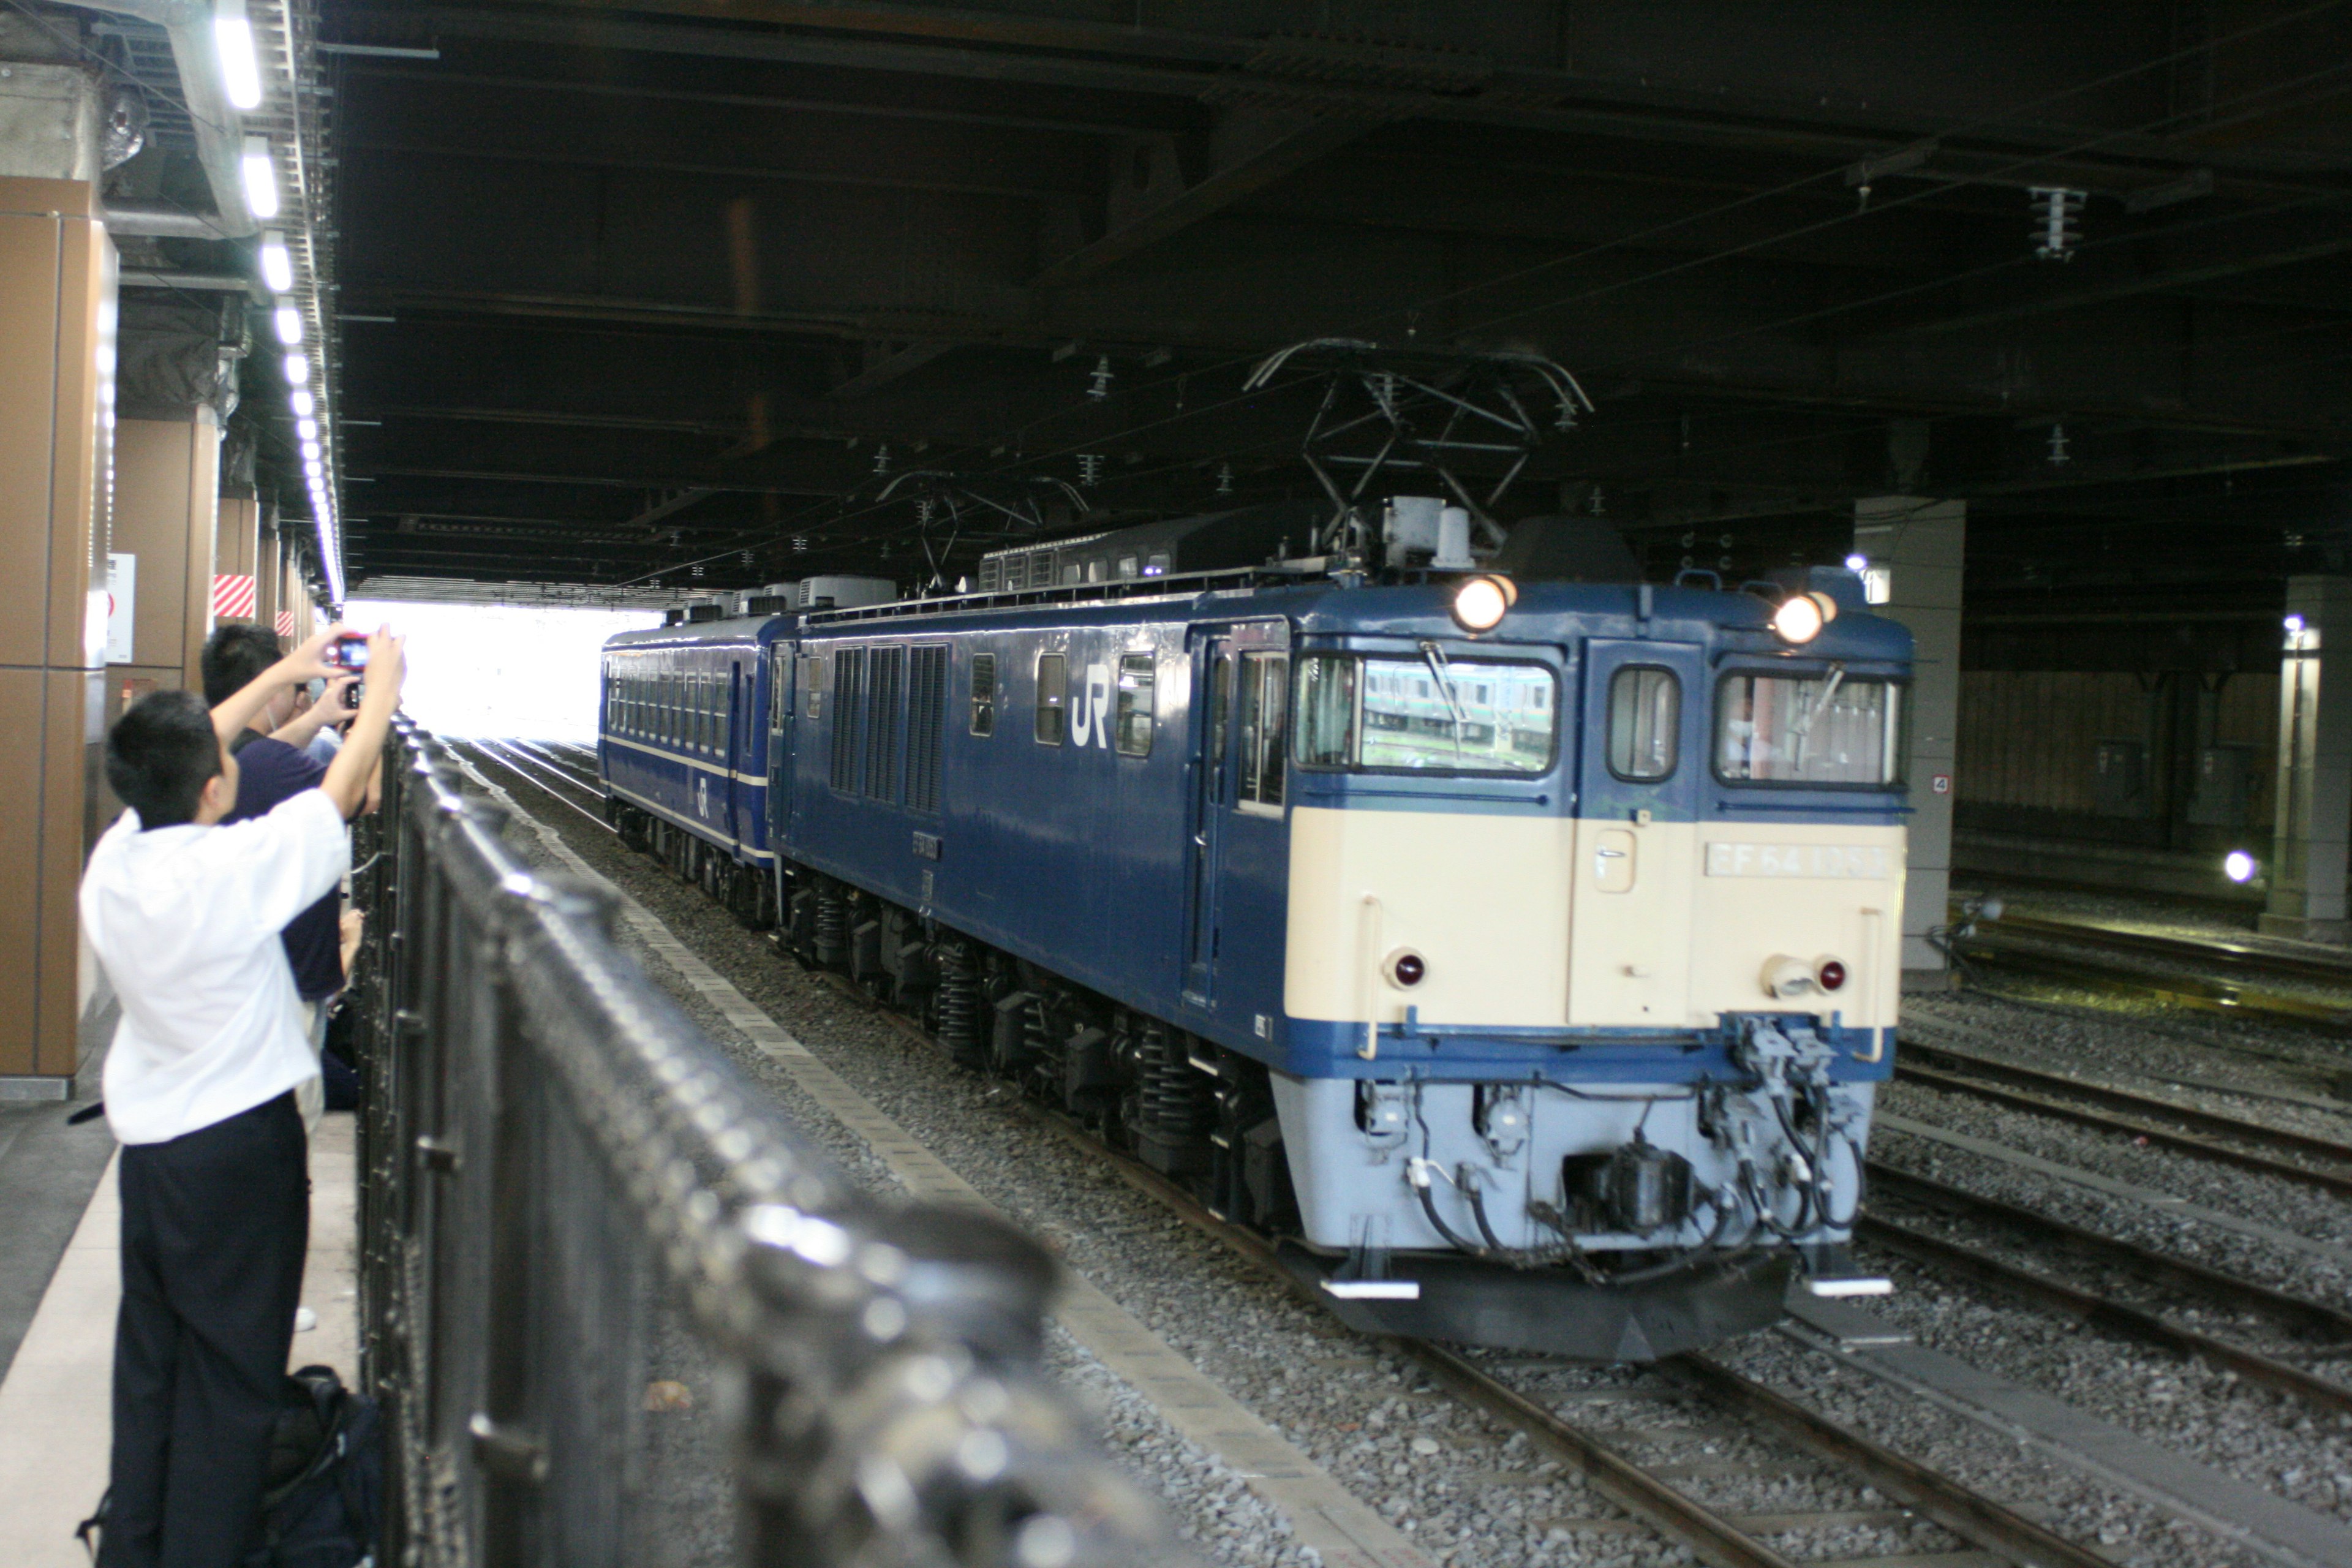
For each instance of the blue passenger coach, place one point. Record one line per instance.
(1525, 956)
(683, 750)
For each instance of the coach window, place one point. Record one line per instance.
(983, 694)
(1053, 691)
(1645, 710)
(1131, 726)
(1266, 690)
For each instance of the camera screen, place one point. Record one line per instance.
(349, 653)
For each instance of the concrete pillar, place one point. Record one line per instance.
(269, 570)
(57, 415)
(167, 518)
(236, 561)
(1921, 543)
(2314, 764)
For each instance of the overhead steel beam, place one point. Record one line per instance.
(1250, 148)
(1616, 83)
(885, 368)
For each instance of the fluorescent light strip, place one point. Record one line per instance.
(240, 65)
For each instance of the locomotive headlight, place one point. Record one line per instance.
(1481, 602)
(1802, 616)
(2239, 865)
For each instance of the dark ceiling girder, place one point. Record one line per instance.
(895, 363)
(1250, 148)
(1597, 95)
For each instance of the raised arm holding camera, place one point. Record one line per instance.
(185, 912)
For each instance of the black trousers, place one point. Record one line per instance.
(215, 1226)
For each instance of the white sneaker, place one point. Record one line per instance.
(305, 1319)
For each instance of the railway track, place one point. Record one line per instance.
(1647, 1489)
(2095, 1105)
(545, 778)
(2321, 1330)
(2096, 958)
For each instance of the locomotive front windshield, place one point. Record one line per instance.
(1828, 728)
(1426, 714)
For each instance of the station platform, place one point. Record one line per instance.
(54, 1401)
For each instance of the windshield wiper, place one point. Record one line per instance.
(1435, 657)
(1804, 726)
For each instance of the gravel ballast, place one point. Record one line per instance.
(1465, 1487)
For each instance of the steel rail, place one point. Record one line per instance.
(2200, 950)
(496, 760)
(2295, 1314)
(2102, 1312)
(2187, 991)
(1710, 1536)
(1949, 1504)
(536, 763)
(2139, 1132)
(2131, 1100)
(585, 772)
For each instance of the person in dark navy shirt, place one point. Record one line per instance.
(273, 767)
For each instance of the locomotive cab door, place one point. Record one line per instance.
(1238, 846)
(1634, 846)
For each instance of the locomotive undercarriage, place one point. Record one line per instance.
(746, 892)
(1680, 1273)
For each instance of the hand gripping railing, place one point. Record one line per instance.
(575, 1211)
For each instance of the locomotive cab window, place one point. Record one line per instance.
(1052, 692)
(1645, 711)
(1828, 730)
(983, 694)
(1428, 714)
(1131, 726)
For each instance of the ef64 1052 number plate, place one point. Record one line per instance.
(1864, 861)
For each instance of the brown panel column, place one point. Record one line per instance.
(166, 518)
(57, 368)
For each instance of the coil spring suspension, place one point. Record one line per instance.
(1177, 1101)
(959, 1004)
(832, 927)
(1173, 1105)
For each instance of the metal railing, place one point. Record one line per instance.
(618, 1311)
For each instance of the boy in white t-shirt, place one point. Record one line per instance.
(185, 915)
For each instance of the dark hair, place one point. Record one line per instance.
(159, 755)
(235, 657)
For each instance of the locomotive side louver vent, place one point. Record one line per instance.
(848, 710)
(886, 672)
(926, 708)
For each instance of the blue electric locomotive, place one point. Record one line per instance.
(1524, 955)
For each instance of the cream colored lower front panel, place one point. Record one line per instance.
(1534, 923)
(1803, 890)
(1631, 959)
(1480, 897)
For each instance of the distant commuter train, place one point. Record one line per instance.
(1524, 955)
